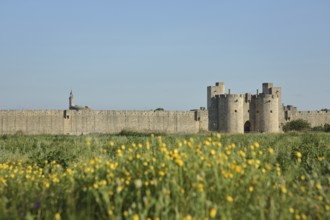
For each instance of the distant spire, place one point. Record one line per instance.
(71, 101)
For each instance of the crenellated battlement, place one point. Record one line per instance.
(231, 96)
(266, 96)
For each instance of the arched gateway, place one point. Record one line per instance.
(247, 127)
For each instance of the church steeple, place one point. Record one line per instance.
(71, 100)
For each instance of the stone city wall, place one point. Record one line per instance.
(91, 121)
(315, 118)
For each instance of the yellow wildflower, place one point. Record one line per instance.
(229, 199)
(213, 212)
(46, 183)
(318, 186)
(242, 153)
(179, 162)
(267, 166)
(57, 216)
(298, 155)
(187, 217)
(200, 187)
(270, 150)
(110, 212)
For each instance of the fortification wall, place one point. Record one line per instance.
(31, 122)
(315, 118)
(88, 121)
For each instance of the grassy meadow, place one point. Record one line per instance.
(184, 177)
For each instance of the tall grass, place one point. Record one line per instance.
(137, 176)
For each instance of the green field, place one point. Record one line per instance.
(136, 176)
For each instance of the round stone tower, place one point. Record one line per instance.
(212, 104)
(268, 107)
(231, 111)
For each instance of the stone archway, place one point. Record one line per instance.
(247, 127)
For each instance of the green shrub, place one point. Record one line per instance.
(326, 127)
(318, 128)
(297, 125)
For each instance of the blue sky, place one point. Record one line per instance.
(148, 54)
